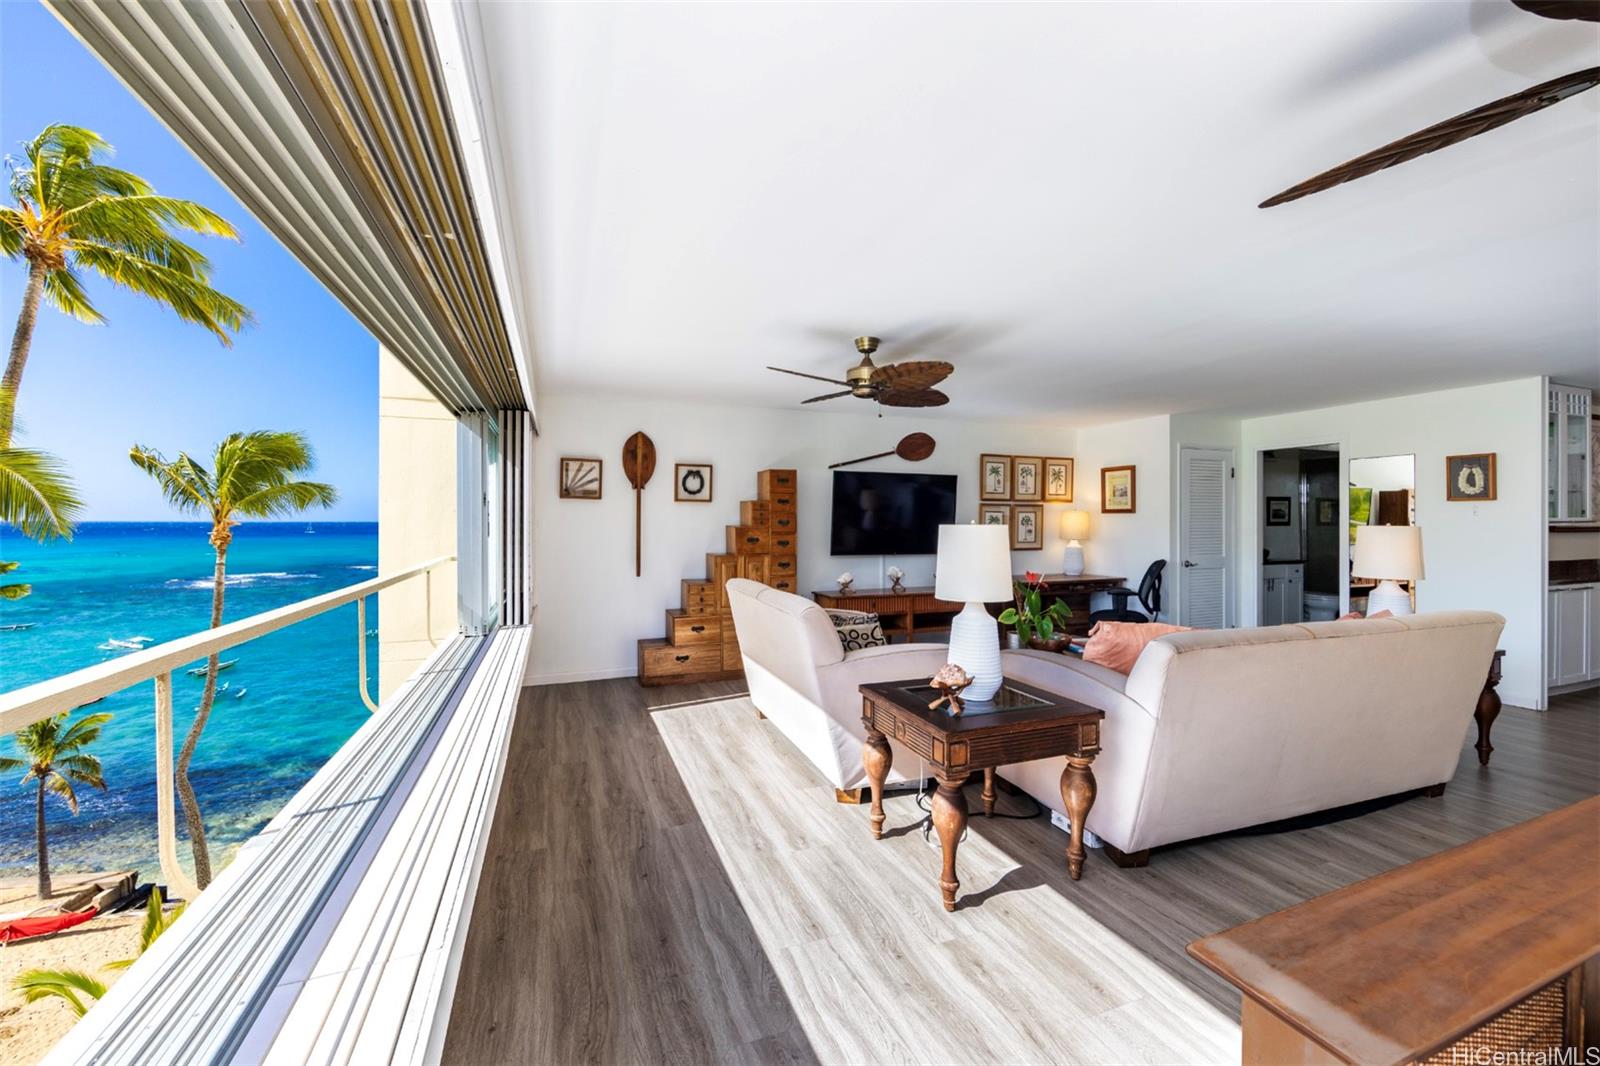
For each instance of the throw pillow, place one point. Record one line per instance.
(1356, 616)
(1117, 645)
(857, 629)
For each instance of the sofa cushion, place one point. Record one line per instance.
(857, 629)
(1118, 645)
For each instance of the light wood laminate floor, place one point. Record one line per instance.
(680, 886)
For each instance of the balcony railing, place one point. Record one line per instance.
(32, 703)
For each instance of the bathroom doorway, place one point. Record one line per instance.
(1300, 530)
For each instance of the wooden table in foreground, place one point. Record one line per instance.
(1020, 723)
(1402, 966)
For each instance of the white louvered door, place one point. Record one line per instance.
(1203, 564)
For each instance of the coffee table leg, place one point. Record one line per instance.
(877, 756)
(950, 819)
(988, 793)
(1077, 792)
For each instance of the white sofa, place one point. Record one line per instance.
(1213, 730)
(1221, 729)
(808, 686)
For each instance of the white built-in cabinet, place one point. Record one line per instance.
(1283, 593)
(1572, 633)
(1569, 447)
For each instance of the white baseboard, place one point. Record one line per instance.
(581, 675)
(1520, 699)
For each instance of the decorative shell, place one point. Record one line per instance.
(949, 683)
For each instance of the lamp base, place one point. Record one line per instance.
(1072, 560)
(1389, 596)
(975, 647)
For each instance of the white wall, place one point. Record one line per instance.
(1487, 555)
(1125, 544)
(591, 608)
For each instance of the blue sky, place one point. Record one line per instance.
(90, 392)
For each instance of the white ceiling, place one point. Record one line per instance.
(1060, 199)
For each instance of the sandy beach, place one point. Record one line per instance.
(29, 1030)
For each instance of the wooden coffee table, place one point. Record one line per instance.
(1019, 724)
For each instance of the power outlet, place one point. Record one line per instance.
(1061, 822)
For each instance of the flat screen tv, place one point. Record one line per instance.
(890, 514)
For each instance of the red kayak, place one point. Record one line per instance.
(23, 928)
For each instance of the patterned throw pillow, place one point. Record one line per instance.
(857, 629)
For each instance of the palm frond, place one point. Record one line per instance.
(12, 227)
(64, 289)
(190, 298)
(82, 770)
(36, 495)
(82, 732)
(158, 210)
(291, 497)
(65, 984)
(9, 765)
(62, 787)
(182, 489)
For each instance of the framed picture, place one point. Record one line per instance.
(1470, 477)
(1027, 478)
(1279, 511)
(1058, 479)
(1327, 512)
(580, 479)
(691, 482)
(994, 514)
(994, 477)
(1027, 526)
(1118, 490)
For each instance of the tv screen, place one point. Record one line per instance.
(890, 514)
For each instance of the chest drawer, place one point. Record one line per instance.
(755, 567)
(747, 540)
(693, 628)
(755, 513)
(782, 502)
(658, 659)
(781, 566)
(721, 568)
(770, 483)
(783, 522)
(785, 584)
(782, 543)
(699, 597)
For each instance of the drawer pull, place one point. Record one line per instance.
(697, 629)
(783, 566)
(681, 658)
(752, 540)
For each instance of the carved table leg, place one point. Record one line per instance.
(1487, 711)
(1077, 793)
(877, 756)
(988, 793)
(950, 819)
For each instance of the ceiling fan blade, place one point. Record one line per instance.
(1451, 131)
(813, 377)
(828, 396)
(911, 376)
(1584, 10)
(913, 398)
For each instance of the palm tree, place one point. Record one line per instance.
(53, 755)
(252, 475)
(73, 213)
(35, 496)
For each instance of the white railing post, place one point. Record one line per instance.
(361, 652)
(166, 817)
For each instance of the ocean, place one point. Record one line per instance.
(118, 580)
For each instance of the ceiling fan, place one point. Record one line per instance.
(1469, 123)
(894, 384)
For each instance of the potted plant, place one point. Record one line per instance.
(1037, 625)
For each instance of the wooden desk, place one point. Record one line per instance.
(1397, 967)
(1078, 591)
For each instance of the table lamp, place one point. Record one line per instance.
(1074, 527)
(974, 567)
(1390, 554)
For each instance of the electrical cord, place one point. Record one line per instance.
(925, 803)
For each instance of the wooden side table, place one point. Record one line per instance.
(1019, 724)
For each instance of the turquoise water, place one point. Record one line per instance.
(118, 580)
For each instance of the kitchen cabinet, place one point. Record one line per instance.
(1572, 634)
(1283, 597)
(1569, 448)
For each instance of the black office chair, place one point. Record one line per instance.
(1149, 597)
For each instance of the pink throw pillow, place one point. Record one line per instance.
(1117, 645)
(1355, 616)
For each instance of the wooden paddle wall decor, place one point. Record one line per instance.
(638, 463)
(913, 448)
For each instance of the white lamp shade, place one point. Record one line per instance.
(974, 564)
(1387, 553)
(1074, 525)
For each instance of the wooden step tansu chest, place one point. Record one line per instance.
(700, 642)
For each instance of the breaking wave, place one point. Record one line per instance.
(240, 580)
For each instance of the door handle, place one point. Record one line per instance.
(1187, 563)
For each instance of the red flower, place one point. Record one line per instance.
(1031, 578)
